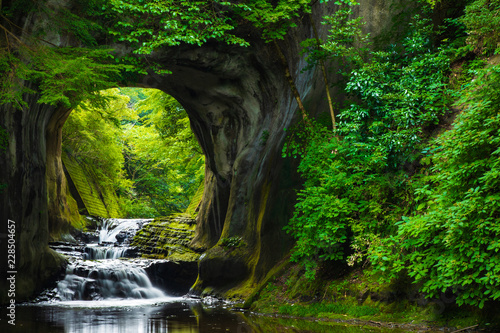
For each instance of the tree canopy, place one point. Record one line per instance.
(140, 144)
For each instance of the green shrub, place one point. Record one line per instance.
(453, 243)
(356, 183)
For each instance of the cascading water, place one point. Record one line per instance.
(104, 252)
(101, 275)
(110, 228)
(101, 294)
(106, 279)
(108, 231)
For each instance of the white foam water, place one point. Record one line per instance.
(103, 252)
(109, 279)
(112, 227)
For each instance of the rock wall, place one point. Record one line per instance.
(94, 199)
(31, 169)
(167, 238)
(25, 200)
(239, 104)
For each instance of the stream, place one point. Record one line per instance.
(108, 289)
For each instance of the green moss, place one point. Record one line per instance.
(99, 201)
(231, 242)
(359, 295)
(192, 209)
(278, 325)
(167, 238)
(326, 309)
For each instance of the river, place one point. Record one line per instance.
(106, 290)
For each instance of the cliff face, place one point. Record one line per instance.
(25, 200)
(240, 104)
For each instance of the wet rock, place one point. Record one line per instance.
(86, 237)
(167, 238)
(234, 96)
(175, 278)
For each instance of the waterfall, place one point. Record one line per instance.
(104, 252)
(110, 228)
(105, 280)
(101, 274)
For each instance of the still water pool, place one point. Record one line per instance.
(174, 315)
(102, 292)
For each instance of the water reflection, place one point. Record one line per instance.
(177, 316)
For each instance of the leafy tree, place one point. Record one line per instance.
(150, 25)
(355, 182)
(144, 148)
(163, 158)
(429, 212)
(94, 136)
(453, 242)
(482, 18)
(344, 34)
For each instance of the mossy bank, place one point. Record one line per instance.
(168, 238)
(356, 296)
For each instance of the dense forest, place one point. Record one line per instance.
(408, 180)
(400, 174)
(141, 145)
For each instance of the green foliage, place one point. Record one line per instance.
(453, 244)
(163, 158)
(82, 28)
(355, 181)
(482, 18)
(94, 136)
(345, 43)
(402, 91)
(273, 18)
(231, 242)
(317, 309)
(64, 76)
(149, 25)
(16, 8)
(432, 3)
(377, 188)
(140, 144)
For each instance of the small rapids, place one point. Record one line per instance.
(110, 228)
(103, 269)
(106, 252)
(100, 280)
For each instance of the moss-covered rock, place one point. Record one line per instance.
(96, 200)
(239, 102)
(358, 295)
(167, 238)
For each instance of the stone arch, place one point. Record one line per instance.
(239, 103)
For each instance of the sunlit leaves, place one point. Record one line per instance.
(94, 136)
(162, 156)
(149, 25)
(141, 144)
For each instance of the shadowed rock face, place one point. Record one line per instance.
(239, 103)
